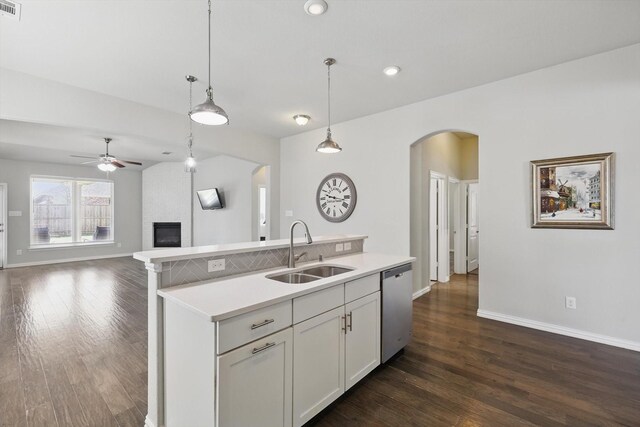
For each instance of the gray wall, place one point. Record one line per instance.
(127, 202)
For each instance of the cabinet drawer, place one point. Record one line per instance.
(361, 287)
(256, 324)
(307, 306)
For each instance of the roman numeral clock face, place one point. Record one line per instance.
(336, 197)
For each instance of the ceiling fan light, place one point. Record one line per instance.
(106, 166)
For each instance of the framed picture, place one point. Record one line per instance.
(573, 192)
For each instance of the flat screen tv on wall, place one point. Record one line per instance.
(210, 199)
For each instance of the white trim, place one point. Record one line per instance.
(4, 216)
(147, 421)
(562, 330)
(422, 291)
(59, 261)
(45, 246)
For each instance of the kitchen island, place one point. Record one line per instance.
(231, 350)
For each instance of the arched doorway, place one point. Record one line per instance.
(444, 223)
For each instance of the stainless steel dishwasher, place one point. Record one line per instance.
(397, 309)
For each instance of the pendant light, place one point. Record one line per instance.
(329, 146)
(208, 113)
(190, 163)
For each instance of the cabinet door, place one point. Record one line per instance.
(255, 383)
(362, 338)
(318, 366)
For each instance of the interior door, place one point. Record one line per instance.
(433, 229)
(473, 228)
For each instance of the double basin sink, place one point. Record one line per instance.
(309, 274)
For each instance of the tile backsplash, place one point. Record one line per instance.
(195, 270)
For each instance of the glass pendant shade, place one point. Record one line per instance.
(190, 164)
(328, 146)
(208, 113)
(106, 166)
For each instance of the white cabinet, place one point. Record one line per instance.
(362, 339)
(318, 366)
(333, 351)
(254, 383)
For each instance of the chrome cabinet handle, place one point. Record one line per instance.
(350, 316)
(345, 323)
(261, 324)
(263, 348)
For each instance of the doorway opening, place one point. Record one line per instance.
(260, 217)
(444, 207)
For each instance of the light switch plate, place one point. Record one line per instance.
(339, 247)
(216, 265)
(15, 213)
(288, 213)
(347, 246)
(19, 252)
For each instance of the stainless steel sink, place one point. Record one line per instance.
(325, 270)
(294, 278)
(309, 274)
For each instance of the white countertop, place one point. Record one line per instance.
(175, 254)
(228, 297)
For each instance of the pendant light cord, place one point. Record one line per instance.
(329, 97)
(189, 118)
(210, 90)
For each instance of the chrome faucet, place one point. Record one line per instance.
(292, 257)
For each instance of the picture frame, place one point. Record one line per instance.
(573, 192)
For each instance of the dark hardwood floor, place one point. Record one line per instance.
(73, 352)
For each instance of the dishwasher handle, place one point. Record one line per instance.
(397, 272)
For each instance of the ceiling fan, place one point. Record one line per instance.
(106, 162)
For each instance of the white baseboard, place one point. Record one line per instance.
(421, 292)
(59, 261)
(561, 330)
(147, 422)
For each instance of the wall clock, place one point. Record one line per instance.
(336, 197)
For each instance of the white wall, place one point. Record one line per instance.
(166, 197)
(586, 106)
(127, 207)
(232, 177)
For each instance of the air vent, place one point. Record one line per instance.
(10, 9)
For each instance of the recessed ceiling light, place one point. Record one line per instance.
(391, 70)
(316, 7)
(301, 119)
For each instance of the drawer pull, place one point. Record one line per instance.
(350, 316)
(263, 348)
(261, 324)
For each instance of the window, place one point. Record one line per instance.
(67, 211)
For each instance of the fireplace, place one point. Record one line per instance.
(166, 235)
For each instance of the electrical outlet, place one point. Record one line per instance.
(119, 244)
(19, 252)
(288, 213)
(216, 265)
(347, 246)
(570, 302)
(339, 247)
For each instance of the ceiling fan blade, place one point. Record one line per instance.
(116, 163)
(131, 162)
(82, 157)
(88, 163)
